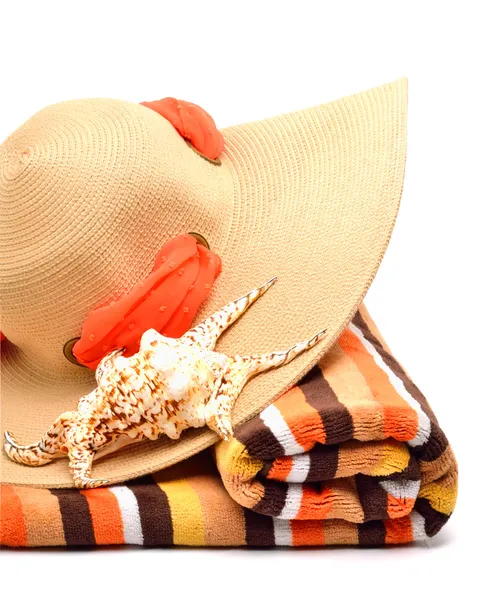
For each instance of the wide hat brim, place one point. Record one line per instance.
(313, 198)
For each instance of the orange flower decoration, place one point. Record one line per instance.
(167, 300)
(191, 122)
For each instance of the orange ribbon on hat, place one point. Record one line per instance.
(192, 122)
(167, 300)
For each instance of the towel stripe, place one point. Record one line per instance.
(274, 420)
(42, 516)
(130, 515)
(13, 530)
(186, 513)
(412, 390)
(401, 489)
(363, 323)
(259, 439)
(282, 532)
(292, 501)
(434, 520)
(323, 463)
(106, 517)
(352, 391)
(301, 464)
(224, 519)
(259, 529)
(418, 526)
(372, 533)
(398, 531)
(372, 498)
(423, 431)
(274, 498)
(336, 419)
(76, 517)
(307, 533)
(155, 514)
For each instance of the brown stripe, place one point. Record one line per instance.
(373, 498)
(267, 465)
(434, 520)
(323, 463)
(394, 365)
(259, 529)
(76, 517)
(336, 419)
(434, 469)
(273, 500)
(155, 514)
(259, 440)
(435, 447)
(372, 533)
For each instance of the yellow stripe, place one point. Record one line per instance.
(442, 493)
(233, 458)
(186, 511)
(395, 458)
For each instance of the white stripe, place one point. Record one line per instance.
(300, 468)
(292, 501)
(401, 489)
(418, 526)
(130, 515)
(282, 532)
(274, 420)
(424, 426)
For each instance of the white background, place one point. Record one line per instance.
(248, 60)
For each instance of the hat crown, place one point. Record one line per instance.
(90, 190)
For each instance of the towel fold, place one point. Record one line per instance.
(352, 454)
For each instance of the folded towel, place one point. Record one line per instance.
(352, 454)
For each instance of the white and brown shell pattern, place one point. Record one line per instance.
(169, 385)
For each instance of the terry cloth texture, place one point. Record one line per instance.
(352, 454)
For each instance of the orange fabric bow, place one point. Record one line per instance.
(191, 122)
(167, 300)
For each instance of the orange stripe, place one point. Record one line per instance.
(303, 420)
(307, 533)
(13, 528)
(400, 420)
(315, 504)
(398, 531)
(106, 516)
(399, 507)
(352, 391)
(280, 469)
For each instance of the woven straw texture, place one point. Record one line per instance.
(90, 190)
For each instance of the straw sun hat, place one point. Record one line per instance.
(90, 190)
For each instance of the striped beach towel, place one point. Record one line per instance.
(352, 454)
